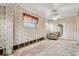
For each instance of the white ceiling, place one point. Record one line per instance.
(45, 9)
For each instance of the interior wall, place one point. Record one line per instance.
(6, 28)
(77, 28)
(9, 30)
(2, 27)
(53, 26)
(22, 34)
(12, 30)
(69, 28)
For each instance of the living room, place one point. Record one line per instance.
(23, 25)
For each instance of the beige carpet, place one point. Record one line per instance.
(49, 48)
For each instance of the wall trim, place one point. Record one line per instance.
(15, 47)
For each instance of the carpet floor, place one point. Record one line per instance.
(49, 48)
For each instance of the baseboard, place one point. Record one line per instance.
(27, 43)
(23, 44)
(1, 51)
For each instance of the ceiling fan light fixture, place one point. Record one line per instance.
(54, 18)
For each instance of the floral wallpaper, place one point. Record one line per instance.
(9, 21)
(22, 34)
(2, 26)
(6, 28)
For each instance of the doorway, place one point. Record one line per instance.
(60, 30)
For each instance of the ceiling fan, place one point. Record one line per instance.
(54, 14)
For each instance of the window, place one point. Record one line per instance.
(30, 21)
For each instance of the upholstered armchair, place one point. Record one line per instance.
(53, 35)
